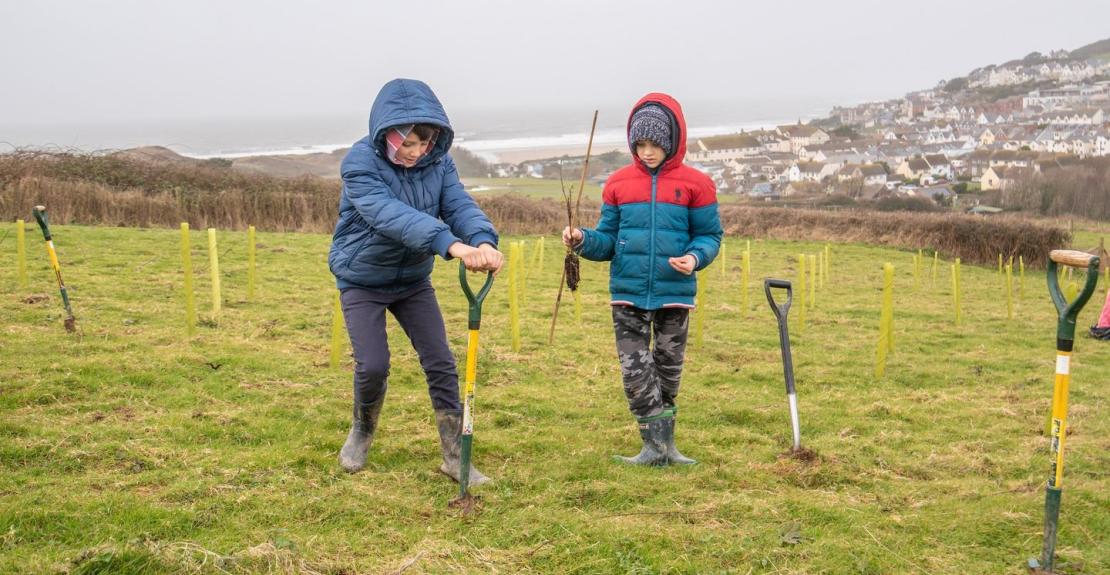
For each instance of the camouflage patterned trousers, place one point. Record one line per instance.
(651, 373)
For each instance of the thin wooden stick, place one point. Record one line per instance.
(571, 217)
(585, 169)
(555, 315)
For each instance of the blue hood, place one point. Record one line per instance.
(404, 101)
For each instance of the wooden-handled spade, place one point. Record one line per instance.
(1065, 338)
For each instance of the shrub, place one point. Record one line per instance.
(905, 204)
(105, 190)
(975, 239)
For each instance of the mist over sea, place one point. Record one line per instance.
(480, 129)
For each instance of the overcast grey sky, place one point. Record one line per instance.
(104, 61)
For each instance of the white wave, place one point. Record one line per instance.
(488, 149)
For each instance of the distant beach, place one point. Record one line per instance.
(496, 135)
(506, 150)
(516, 150)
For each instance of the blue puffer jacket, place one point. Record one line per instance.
(649, 216)
(393, 220)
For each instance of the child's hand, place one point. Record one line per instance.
(572, 237)
(684, 265)
(494, 258)
(477, 259)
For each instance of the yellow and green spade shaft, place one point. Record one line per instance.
(466, 438)
(44, 223)
(1065, 338)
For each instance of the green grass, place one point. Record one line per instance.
(132, 449)
(529, 187)
(540, 188)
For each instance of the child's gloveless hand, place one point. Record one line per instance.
(494, 259)
(572, 237)
(684, 265)
(480, 259)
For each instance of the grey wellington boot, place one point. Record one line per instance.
(352, 457)
(449, 424)
(654, 451)
(673, 454)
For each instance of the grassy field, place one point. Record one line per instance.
(129, 448)
(539, 188)
(529, 187)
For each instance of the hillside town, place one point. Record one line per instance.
(998, 126)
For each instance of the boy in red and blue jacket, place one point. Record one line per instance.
(659, 224)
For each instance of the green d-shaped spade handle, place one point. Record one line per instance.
(44, 223)
(1065, 328)
(475, 300)
(1056, 426)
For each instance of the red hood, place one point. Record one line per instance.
(672, 105)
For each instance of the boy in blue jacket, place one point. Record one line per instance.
(403, 203)
(659, 224)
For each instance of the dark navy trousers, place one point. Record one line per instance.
(417, 311)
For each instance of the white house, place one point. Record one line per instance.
(1006, 76)
(722, 148)
(913, 168)
(1002, 178)
(801, 135)
(939, 166)
(871, 174)
(1102, 143)
(1089, 117)
(805, 172)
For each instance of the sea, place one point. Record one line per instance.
(482, 130)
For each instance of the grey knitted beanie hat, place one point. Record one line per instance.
(651, 122)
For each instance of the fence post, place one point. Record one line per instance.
(956, 289)
(934, 268)
(1021, 279)
(745, 270)
(214, 269)
(21, 253)
(917, 259)
(812, 282)
(1010, 291)
(802, 291)
(828, 262)
(515, 274)
(250, 263)
(540, 267)
(522, 280)
(187, 267)
(821, 269)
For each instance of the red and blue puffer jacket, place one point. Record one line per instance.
(648, 216)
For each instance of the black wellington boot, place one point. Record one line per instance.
(352, 457)
(654, 451)
(673, 454)
(449, 424)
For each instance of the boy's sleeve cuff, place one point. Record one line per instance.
(442, 242)
(483, 238)
(577, 248)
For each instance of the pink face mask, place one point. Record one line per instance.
(395, 137)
